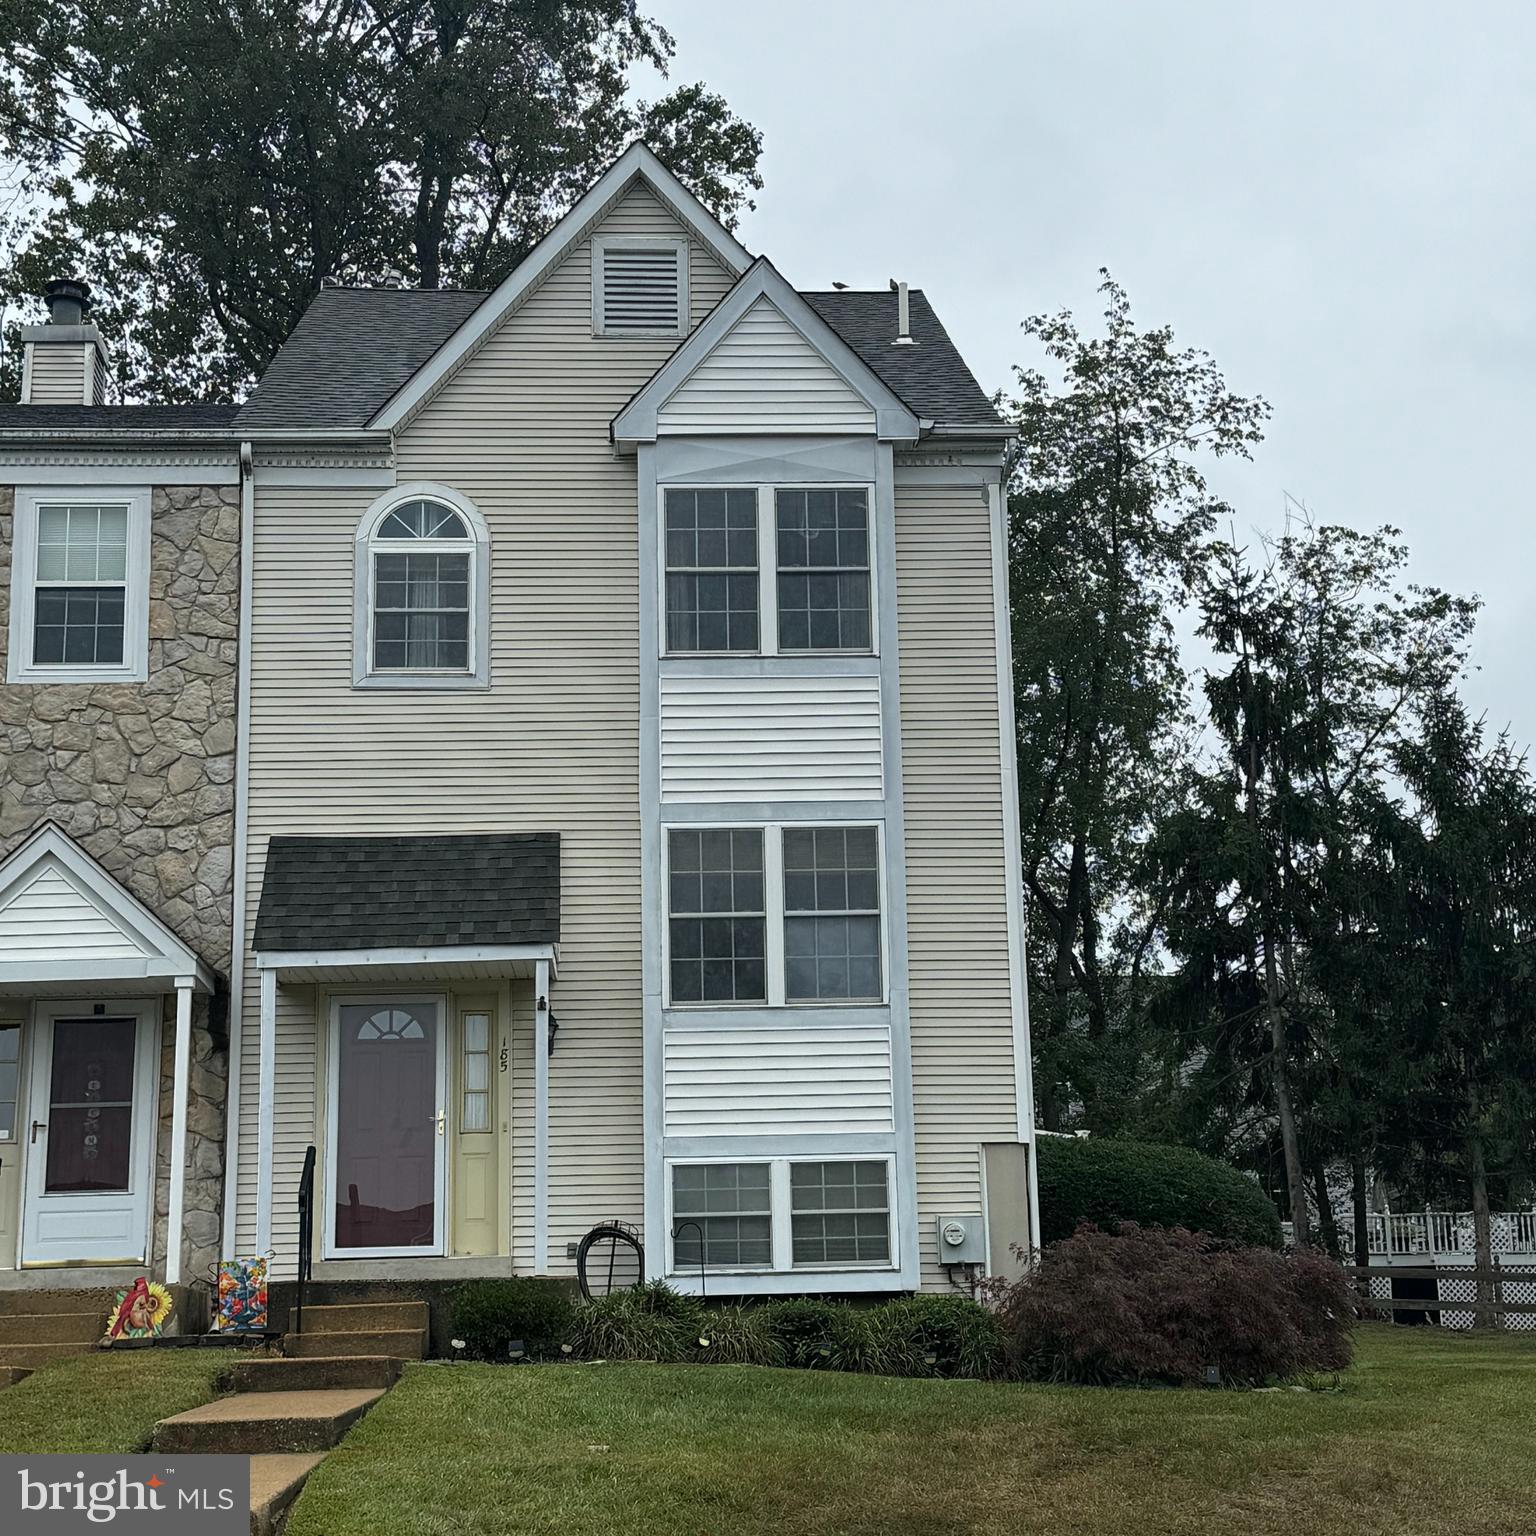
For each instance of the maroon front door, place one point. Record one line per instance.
(388, 1128)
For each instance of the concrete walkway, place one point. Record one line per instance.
(286, 1413)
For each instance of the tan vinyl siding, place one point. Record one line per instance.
(957, 924)
(765, 377)
(57, 373)
(522, 430)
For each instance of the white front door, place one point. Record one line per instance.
(89, 1135)
(385, 1168)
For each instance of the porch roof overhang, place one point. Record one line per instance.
(431, 963)
(67, 928)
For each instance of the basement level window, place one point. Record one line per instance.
(639, 286)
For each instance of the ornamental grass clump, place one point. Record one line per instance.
(650, 1322)
(738, 1336)
(1150, 1306)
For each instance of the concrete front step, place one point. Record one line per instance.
(275, 1483)
(367, 1317)
(52, 1327)
(259, 1423)
(11, 1374)
(303, 1374)
(398, 1344)
(34, 1355)
(27, 1302)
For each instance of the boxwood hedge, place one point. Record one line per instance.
(1112, 1180)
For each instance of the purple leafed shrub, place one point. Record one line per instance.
(1153, 1305)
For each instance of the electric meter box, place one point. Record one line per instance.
(961, 1240)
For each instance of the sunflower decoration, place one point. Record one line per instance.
(141, 1311)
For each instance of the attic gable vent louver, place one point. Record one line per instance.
(639, 287)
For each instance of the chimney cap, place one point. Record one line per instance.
(72, 295)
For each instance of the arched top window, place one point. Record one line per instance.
(391, 1024)
(423, 590)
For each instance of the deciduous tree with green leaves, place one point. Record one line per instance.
(1109, 512)
(207, 163)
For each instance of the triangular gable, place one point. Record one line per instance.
(638, 162)
(765, 352)
(59, 909)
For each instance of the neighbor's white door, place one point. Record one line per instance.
(89, 1136)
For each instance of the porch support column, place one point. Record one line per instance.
(541, 1014)
(179, 1095)
(266, 1079)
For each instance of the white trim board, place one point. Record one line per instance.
(636, 163)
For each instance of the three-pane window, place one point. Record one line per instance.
(718, 917)
(722, 1214)
(475, 1111)
(823, 576)
(10, 1067)
(712, 582)
(81, 592)
(421, 590)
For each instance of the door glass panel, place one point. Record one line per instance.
(90, 1106)
(386, 1126)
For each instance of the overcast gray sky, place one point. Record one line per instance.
(1335, 200)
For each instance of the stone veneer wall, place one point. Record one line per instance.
(142, 776)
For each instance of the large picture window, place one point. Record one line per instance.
(717, 917)
(80, 587)
(823, 570)
(423, 591)
(712, 570)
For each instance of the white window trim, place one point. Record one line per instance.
(601, 245)
(478, 673)
(15, 1021)
(780, 1214)
(768, 571)
(774, 915)
(134, 667)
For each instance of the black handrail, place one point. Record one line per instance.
(306, 1234)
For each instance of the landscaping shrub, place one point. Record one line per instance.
(1112, 1181)
(650, 1322)
(1148, 1305)
(948, 1335)
(739, 1336)
(489, 1315)
(805, 1328)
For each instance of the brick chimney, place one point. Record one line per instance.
(65, 361)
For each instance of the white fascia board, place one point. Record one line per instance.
(83, 972)
(636, 163)
(445, 954)
(165, 954)
(637, 422)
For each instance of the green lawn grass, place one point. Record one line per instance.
(103, 1402)
(1431, 1432)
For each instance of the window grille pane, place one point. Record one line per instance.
(10, 1043)
(421, 612)
(712, 583)
(79, 626)
(823, 581)
(475, 1110)
(423, 520)
(839, 1213)
(730, 1204)
(718, 928)
(832, 907)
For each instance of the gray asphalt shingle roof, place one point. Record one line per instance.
(930, 377)
(351, 351)
(419, 892)
(118, 418)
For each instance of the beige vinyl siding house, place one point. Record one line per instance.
(624, 823)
